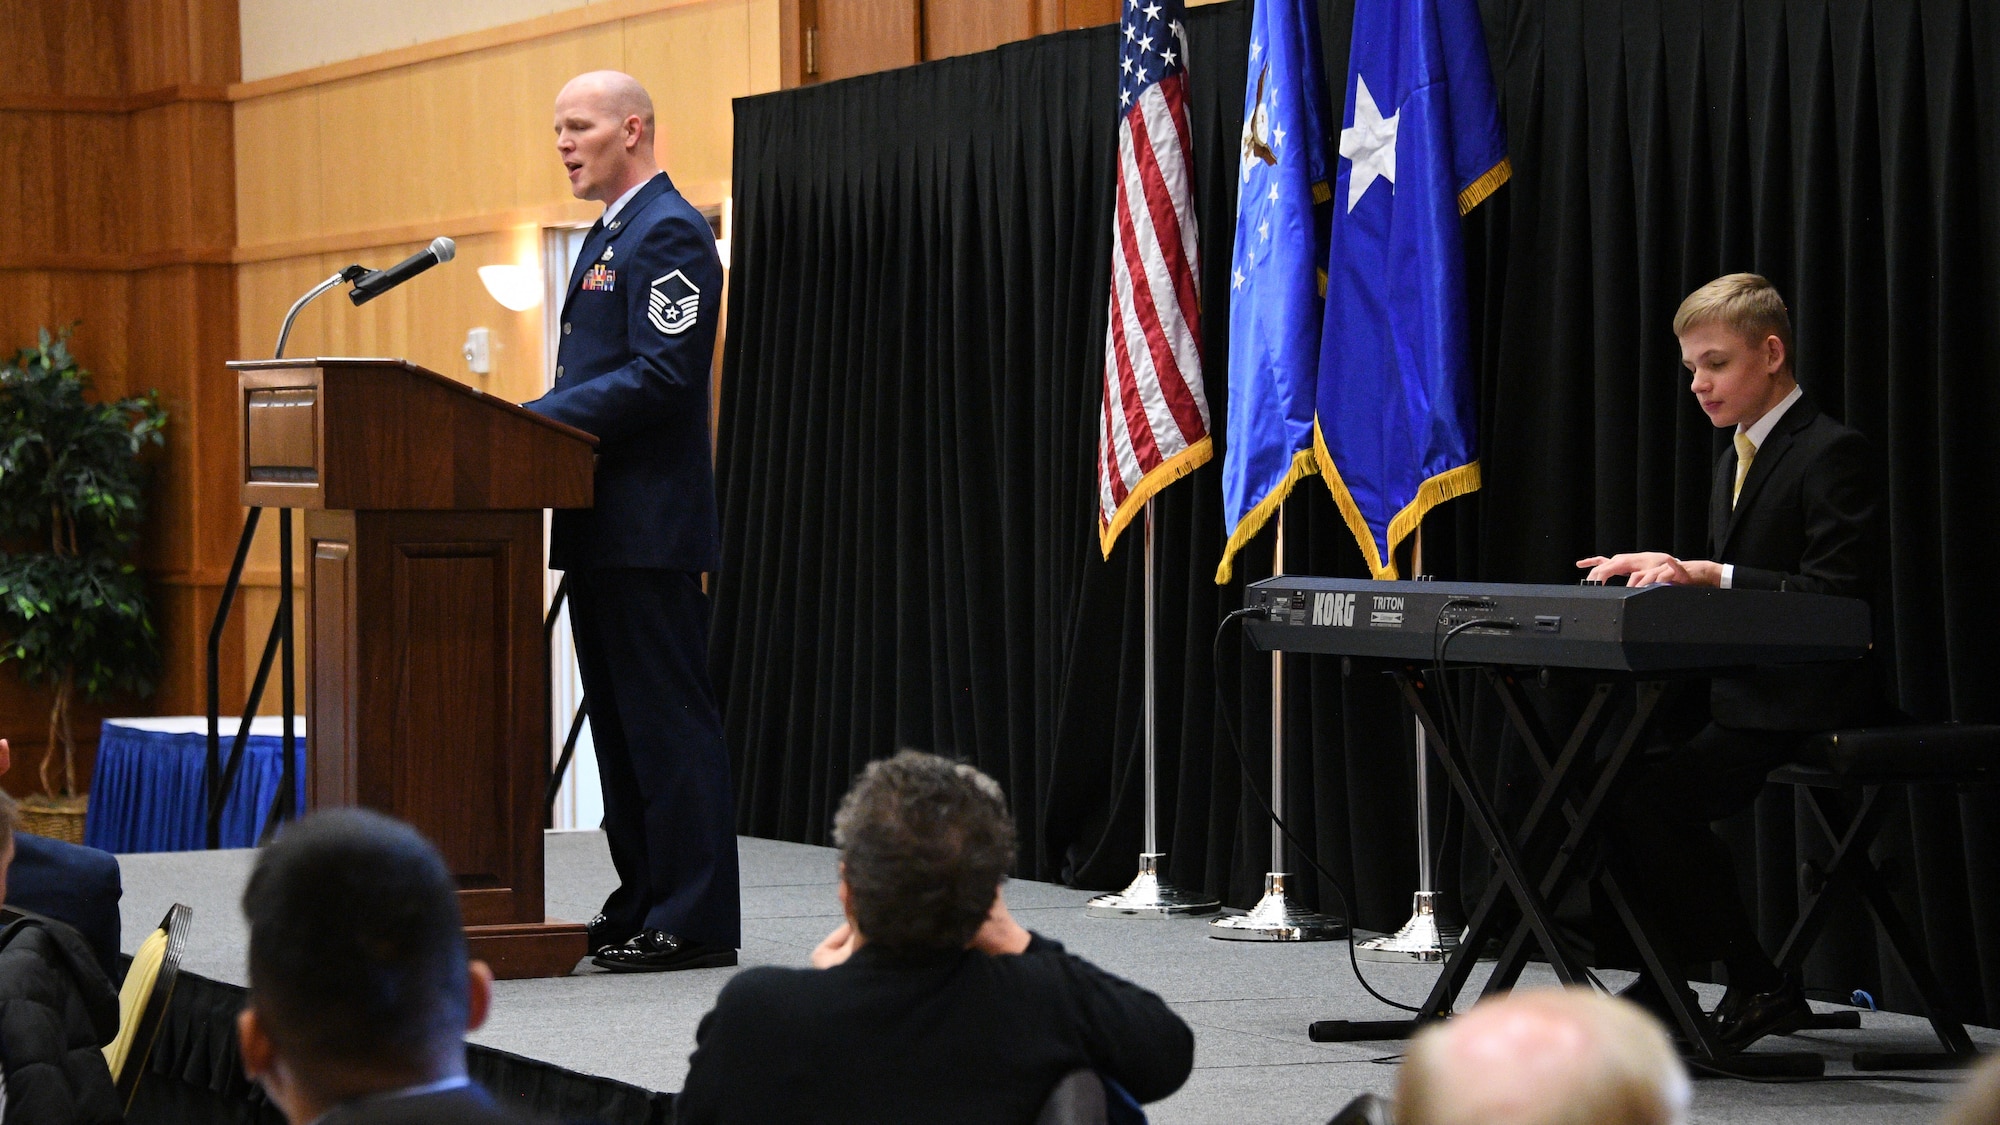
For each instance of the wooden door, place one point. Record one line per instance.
(843, 38)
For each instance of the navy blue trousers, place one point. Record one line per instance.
(642, 648)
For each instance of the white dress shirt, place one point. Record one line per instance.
(619, 203)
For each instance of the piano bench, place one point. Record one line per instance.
(1963, 753)
(1840, 774)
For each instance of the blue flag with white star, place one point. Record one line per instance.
(1274, 280)
(1421, 144)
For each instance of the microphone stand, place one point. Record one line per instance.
(218, 776)
(285, 333)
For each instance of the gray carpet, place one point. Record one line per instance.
(1249, 1003)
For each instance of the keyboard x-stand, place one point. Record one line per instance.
(1615, 637)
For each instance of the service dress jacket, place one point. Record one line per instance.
(632, 368)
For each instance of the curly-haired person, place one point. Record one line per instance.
(930, 1003)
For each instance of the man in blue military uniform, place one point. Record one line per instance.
(632, 367)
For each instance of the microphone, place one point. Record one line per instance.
(377, 282)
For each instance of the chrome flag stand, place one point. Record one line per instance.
(1150, 895)
(1276, 917)
(1419, 940)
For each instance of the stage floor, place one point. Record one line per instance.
(1248, 1002)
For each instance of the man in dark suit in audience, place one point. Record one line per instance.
(1796, 506)
(360, 989)
(72, 884)
(930, 1003)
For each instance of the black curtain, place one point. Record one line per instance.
(916, 326)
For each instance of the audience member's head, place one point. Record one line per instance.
(359, 981)
(924, 845)
(1979, 1102)
(1544, 1057)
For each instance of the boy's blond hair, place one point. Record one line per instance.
(1744, 303)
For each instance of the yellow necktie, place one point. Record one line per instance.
(1746, 452)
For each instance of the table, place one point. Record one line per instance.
(148, 793)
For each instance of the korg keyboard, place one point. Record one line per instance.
(1615, 628)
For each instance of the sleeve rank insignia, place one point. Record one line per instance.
(674, 303)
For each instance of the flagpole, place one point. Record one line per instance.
(1276, 917)
(1419, 940)
(1150, 895)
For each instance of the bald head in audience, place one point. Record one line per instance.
(604, 134)
(1544, 1057)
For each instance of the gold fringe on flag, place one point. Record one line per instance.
(1445, 486)
(1304, 464)
(1475, 193)
(1169, 471)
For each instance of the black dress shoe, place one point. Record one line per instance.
(657, 951)
(603, 935)
(1744, 1017)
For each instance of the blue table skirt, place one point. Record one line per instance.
(148, 792)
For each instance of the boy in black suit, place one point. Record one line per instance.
(1796, 506)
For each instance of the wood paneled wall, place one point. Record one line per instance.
(367, 167)
(117, 134)
(367, 160)
(830, 39)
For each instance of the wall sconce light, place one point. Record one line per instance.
(517, 287)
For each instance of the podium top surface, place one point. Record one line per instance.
(354, 433)
(420, 372)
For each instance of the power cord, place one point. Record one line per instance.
(1305, 853)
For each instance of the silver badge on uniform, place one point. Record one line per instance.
(674, 303)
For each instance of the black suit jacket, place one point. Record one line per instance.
(632, 368)
(467, 1105)
(1809, 519)
(958, 1037)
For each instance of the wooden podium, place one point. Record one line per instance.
(429, 692)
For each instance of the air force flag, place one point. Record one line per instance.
(1396, 428)
(1275, 283)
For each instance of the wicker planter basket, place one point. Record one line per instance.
(57, 817)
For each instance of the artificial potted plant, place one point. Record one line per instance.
(73, 609)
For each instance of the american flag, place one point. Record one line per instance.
(1155, 408)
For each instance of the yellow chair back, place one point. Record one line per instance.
(143, 998)
(132, 997)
